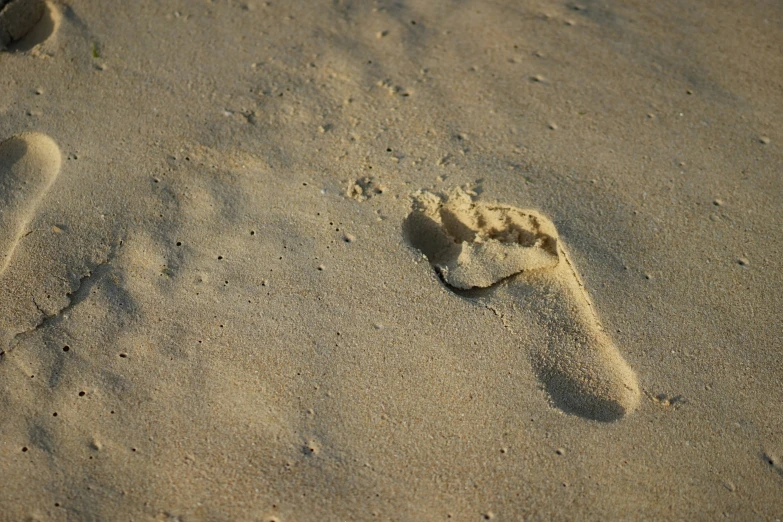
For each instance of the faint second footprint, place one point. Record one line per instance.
(29, 164)
(517, 256)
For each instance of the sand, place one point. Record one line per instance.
(421, 260)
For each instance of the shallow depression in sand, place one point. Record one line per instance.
(29, 164)
(473, 244)
(26, 23)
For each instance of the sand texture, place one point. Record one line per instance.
(391, 260)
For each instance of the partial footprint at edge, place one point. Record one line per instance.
(478, 245)
(29, 163)
(27, 23)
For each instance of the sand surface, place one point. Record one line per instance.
(391, 260)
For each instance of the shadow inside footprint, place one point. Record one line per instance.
(572, 400)
(26, 23)
(509, 258)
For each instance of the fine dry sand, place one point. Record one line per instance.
(391, 260)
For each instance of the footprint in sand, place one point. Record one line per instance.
(29, 163)
(25, 23)
(517, 257)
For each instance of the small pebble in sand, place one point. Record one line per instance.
(765, 140)
(743, 261)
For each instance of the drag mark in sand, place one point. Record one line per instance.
(479, 245)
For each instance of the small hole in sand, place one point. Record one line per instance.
(179, 243)
(220, 258)
(66, 348)
(54, 414)
(24, 449)
(123, 355)
(82, 394)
